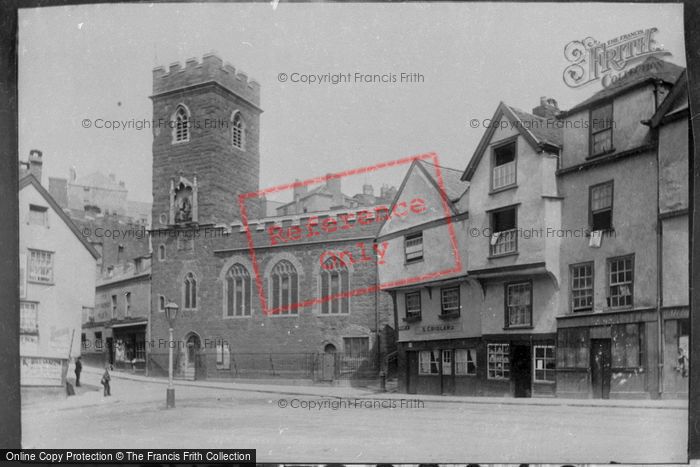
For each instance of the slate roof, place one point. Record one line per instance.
(543, 133)
(676, 101)
(652, 69)
(453, 185)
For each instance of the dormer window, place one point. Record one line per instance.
(181, 130)
(601, 125)
(503, 172)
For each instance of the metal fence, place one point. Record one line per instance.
(286, 365)
(316, 366)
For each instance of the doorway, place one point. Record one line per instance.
(521, 361)
(328, 363)
(192, 364)
(600, 368)
(412, 372)
(110, 351)
(447, 384)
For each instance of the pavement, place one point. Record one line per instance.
(347, 392)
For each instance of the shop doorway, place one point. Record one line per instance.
(412, 372)
(110, 351)
(448, 383)
(600, 368)
(521, 366)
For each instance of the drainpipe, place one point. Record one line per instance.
(376, 311)
(659, 264)
(148, 323)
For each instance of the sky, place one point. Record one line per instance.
(95, 62)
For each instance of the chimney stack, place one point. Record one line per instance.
(333, 184)
(35, 163)
(367, 189)
(300, 190)
(548, 108)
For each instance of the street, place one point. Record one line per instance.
(308, 431)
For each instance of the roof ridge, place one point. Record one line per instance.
(441, 166)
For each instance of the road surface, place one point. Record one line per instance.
(293, 428)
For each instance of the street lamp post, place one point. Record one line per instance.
(171, 310)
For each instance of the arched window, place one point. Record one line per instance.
(334, 281)
(190, 285)
(237, 131)
(285, 288)
(182, 125)
(161, 252)
(237, 291)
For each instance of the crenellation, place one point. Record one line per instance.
(230, 69)
(211, 68)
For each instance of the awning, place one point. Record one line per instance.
(130, 324)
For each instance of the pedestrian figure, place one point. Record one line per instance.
(78, 369)
(105, 381)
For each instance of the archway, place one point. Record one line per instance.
(192, 366)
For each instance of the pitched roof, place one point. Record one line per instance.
(29, 179)
(676, 101)
(539, 132)
(543, 129)
(453, 185)
(652, 69)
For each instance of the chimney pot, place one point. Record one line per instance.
(35, 163)
(548, 108)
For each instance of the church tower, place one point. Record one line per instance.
(205, 142)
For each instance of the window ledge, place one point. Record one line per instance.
(627, 370)
(412, 319)
(602, 154)
(450, 315)
(503, 255)
(609, 231)
(511, 328)
(503, 188)
(30, 281)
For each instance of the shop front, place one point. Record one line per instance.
(608, 355)
(676, 353)
(447, 366)
(128, 346)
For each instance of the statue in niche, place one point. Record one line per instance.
(183, 199)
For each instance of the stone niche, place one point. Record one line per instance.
(183, 201)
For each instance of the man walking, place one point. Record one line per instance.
(78, 369)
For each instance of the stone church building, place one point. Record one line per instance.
(205, 155)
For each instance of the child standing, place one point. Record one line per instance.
(105, 382)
